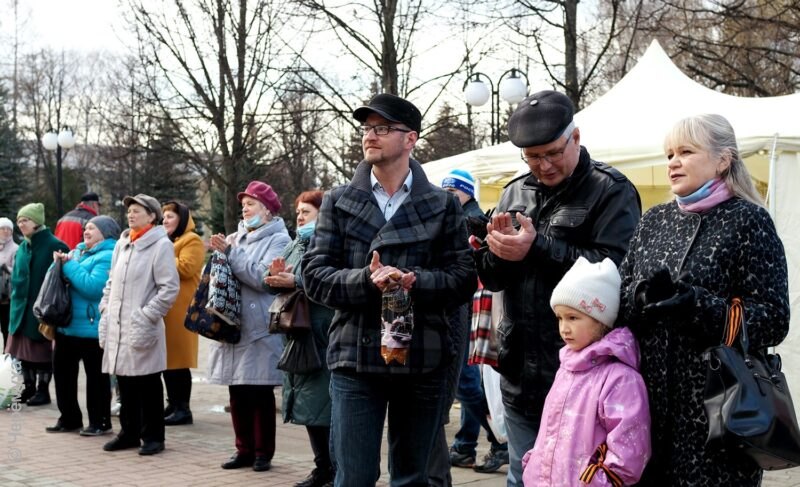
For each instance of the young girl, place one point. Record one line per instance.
(595, 427)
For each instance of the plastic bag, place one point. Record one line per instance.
(397, 325)
(53, 306)
(497, 414)
(10, 380)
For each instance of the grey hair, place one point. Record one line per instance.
(713, 133)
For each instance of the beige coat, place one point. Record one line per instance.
(182, 343)
(141, 288)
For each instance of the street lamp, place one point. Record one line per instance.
(54, 142)
(511, 89)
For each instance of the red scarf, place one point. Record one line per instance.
(135, 234)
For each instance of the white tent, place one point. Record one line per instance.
(625, 128)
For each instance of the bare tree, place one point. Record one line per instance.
(215, 58)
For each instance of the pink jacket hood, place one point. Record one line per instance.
(598, 398)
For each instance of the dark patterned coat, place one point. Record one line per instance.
(426, 235)
(731, 250)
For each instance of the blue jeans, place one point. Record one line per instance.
(522, 431)
(359, 408)
(474, 410)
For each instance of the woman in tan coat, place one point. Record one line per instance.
(181, 343)
(141, 288)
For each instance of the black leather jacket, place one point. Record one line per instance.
(592, 214)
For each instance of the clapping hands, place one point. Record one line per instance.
(388, 278)
(660, 296)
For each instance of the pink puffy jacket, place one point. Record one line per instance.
(595, 425)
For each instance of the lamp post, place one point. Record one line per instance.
(510, 88)
(55, 142)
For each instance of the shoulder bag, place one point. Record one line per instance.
(199, 320)
(747, 400)
(289, 312)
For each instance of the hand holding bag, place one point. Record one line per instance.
(747, 400)
(53, 305)
(289, 312)
(200, 321)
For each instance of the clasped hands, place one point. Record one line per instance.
(507, 242)
(59, 255)
(389, 278)
(280, 274)
(660, 295)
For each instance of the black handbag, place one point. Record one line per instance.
(199, 320)
(53, 305)
(289, 312)
(300, 354)
(747, 400)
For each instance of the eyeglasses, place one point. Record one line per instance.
(381, 129)
(553, 157)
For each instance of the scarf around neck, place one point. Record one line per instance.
(135, 234)
(706, 197)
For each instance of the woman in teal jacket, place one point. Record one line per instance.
(25, 343)
(86, 268)
(306, 399)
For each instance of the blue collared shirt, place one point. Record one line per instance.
(390, 204)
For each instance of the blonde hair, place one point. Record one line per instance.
(713, 133)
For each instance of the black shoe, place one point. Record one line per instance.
(238, 461)
(169, 409)
(39, 399)
(151, 447)
(458, 459)
(178, 417)
(92, 430)
(318, 478)
(492, 461)
(261, 464)
(121, 443)
(59, 427)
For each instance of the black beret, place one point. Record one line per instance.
(540, 119)
(90, 197)
(391, 108)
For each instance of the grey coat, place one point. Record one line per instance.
(254, 360)
(141, 288)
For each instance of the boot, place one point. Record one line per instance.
(42, 395)
(29, 380)
(181, 415)
(169, 409)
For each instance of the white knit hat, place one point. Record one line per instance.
(6, 223)
(590, 288)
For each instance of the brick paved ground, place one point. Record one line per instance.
(31, 457)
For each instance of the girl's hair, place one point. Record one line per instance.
(313, 197)
(715, 134)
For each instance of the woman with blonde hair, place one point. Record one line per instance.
(687, 260)
(181, 343)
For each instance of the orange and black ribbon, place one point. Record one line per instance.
(734, 324)
(596, 463)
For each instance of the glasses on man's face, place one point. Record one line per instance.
(553, 157)
(381, 129)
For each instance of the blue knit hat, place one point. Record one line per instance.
(460, 179)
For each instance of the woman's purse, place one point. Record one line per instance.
(747, 400)
(210, 325)
(300, 354)
(289, 312)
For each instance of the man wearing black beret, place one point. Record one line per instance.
(567, 206)
(69, 228)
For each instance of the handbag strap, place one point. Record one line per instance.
(736, 325)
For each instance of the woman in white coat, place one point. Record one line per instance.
(249, 368)
(141, 288)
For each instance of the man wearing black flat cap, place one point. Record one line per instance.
(388, 231)
(567, 206)
(69, 228)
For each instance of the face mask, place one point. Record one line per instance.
(306, 230)
(253, 222)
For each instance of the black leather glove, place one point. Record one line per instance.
(657, 287)
(680, 302)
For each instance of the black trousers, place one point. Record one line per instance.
(320, 445)
(179, 386)
(5, 311)
(142, 412)
(69, 352)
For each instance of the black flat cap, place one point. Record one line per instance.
(391, 108)
(540, 119)
(90, 196)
